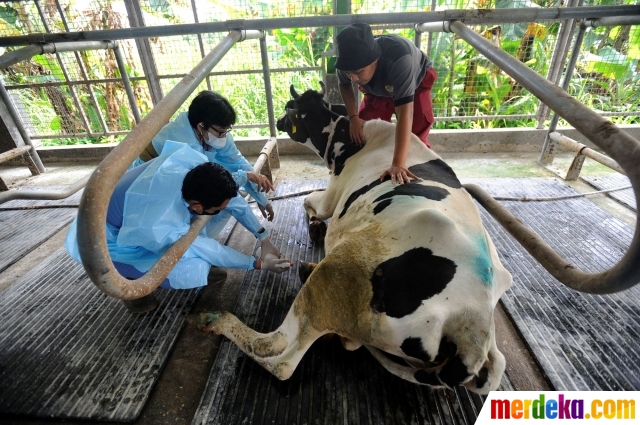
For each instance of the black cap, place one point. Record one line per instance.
(356, 47)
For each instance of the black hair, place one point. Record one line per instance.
(210, 184)
(211, 108)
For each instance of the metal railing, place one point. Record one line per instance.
(92, 213)
(31, 156)
(618, 144)
(622, 147)
(595, 14)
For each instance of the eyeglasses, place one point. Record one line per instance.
(221, 133)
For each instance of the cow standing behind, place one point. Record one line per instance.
(409, 269)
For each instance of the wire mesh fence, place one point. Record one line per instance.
(79, 97)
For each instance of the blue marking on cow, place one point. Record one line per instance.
(483, 265)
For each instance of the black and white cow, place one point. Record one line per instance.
(409, 269)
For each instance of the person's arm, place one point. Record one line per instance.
(398, 171)
(355, 123)
(256, 184)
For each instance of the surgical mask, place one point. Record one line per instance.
(216, 142)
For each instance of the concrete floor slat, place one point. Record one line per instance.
(612, 181)
(581, 341)
(16, 242)
(94, 360)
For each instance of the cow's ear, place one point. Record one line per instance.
(293, 91)
(322, 88)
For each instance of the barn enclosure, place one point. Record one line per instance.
(91, 82)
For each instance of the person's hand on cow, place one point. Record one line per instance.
(356, 131)
(264, 185)
(267, 211)
(399, 175)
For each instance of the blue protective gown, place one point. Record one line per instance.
(153, 215)
(180, 130)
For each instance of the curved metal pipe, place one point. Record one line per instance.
(10, 195)
(92, 213)
(618, 144)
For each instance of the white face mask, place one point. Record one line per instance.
(216, 142)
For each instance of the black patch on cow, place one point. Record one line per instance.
(454, 371)
(428, 378)
(355, 195)
(438, 171)
(400, 284)
(482, 377)
(341, 135)
(412, 347)
(433, 193)
(381, 206)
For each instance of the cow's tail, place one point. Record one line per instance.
(407, 373)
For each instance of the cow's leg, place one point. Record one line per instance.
(490, 374)
(417, 376)
(304, 270)
(313, 207)
(279, 351)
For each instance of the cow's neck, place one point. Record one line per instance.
(331, 145)
(339, 146)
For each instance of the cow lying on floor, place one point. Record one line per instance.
(409, 269)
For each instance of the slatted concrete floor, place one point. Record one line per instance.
(331, 385)
(581, 341)
(613, 181)
(70, 351)
(16, 242)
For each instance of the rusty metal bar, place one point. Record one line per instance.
(615, 142)
(473, 16)
(15, 116)
(93, 206)
(14, 153)
(43, 194)
(586, 151)
(268, 154)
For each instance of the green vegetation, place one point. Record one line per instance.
(607, 77)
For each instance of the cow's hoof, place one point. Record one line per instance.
(304, 270)
(317, 230)
(207, 321)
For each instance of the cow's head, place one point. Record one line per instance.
(312, 121)
(293, 123)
